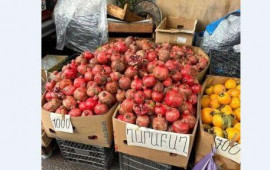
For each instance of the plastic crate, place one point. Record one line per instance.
(93, 156)
(224, 63)
(128, 162)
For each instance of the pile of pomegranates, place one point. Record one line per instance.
(155, 84)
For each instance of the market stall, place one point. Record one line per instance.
(145, 88)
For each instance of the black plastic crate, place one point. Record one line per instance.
(224, 63)
(93, 156)
(128, 162)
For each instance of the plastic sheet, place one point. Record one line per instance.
(206, 163)
(224, 36)
(81, 25)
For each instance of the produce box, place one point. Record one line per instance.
(95, 157)
(176, 30)
(90, 130)
(45, 139)
(128, 162)
(120, 138)
(228, 154)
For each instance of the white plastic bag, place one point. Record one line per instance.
(81, 24)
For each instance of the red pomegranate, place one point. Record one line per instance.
(174, 99)
(139, 97)
(87, 113)
(142, 121)
(91, 102)
(112, 87)
(124, 82)
(149, 81)
(159, 123)
(127, 105)
(161, 72)
(157, 96)
(140, 109)
(160, 109)
(180, 126)
(75, 112)
(172, 115)
(136, 84)
(80, 94)
(101, 109)
(129, 118)
(106, 98)
(69, 102)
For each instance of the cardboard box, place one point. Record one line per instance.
(206, 11)
(45, 139)
(93, 130)
(205, 141)
(178, 30)
(120, 140)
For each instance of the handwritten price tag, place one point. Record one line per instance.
(61, 123)
(159, 140)
(231, 152)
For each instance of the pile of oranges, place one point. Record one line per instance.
(220, 112)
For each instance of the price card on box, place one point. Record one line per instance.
(224, 148)
(61, 123)
(159, 140)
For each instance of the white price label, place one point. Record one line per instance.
(61, 123)
(231, 152)
(159, 140)
(181, 40)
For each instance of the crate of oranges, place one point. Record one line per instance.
(219, 106)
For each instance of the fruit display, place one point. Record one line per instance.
(145, 77)
(220, 109)
(159, 89)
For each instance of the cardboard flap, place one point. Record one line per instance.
(177, 25)
(175, 31)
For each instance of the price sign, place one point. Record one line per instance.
(61, 123)
(229, 151)
(159, 140)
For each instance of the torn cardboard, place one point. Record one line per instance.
(91, 130)
(178, 30)
(205, 141)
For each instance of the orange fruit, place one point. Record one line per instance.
(226, 109)
(230, 84)
(238, 126)
(224, 98)
(234, 92)
(206, 114)
(213, 96)
(237, 113)
(214, 103)
(218, 121)
(235, 103)
(218, 88)
(232, 133)
(209, 90)
(205, 102)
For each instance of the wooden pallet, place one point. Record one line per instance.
(130, 27)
